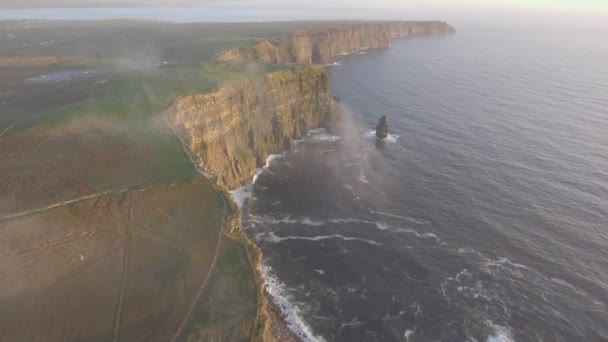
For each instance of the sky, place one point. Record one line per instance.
(558, 5)
(582, 6)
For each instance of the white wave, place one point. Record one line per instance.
(320, 223)
(321, 135)
(310, 221)
(420, 235)
(362, 177)
(333, 64)
(370, 134)
(407, 334)
(271, 158)
(321, 272)
(391, 138)
(405, 218)
(353, 323)
(316, 131)
(382, 226)
(504, 261)
(292, 312)
(324, 137)
(258, 172)
(277, 239)
(241, 195)
(501, 334)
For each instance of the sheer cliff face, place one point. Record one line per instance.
(322, 47)
(233, 128)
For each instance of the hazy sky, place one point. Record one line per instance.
(588, 6)
(560, 5)
(567, 5)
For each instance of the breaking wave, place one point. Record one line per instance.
(392, 138)
(291, 312)
(307, 221)
(501, 334)
(272, 237)
(400, 217)
(321, 135)
(242, 194)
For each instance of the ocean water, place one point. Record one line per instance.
(484, 217)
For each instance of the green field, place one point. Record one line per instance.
(107, 232)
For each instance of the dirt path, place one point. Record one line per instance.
(60, 204)
(186, 319)
(199, 294)
(124, 268)
(6, 130)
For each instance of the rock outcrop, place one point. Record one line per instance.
(382, 128)
(321, 47)
(233, 128)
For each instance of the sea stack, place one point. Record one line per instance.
(382, 128)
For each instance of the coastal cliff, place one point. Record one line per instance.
(230, 130)
(233, 128)
(321, 47)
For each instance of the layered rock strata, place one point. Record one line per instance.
(321, 47)
(233, 128)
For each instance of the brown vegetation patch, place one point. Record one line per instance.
(127, 264)
(35, 61)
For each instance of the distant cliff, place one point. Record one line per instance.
(233, 128)
(322, 47)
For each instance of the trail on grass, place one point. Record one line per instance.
(199, 294)
(124, 269)
(61, 204)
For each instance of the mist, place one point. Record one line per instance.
(589, 7)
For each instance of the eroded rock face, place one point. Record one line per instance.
(322, 47)
(233, 128)
(382, 128)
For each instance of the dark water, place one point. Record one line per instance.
(487, 219)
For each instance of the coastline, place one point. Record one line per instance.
(272, 323)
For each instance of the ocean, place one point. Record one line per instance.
(483, 217)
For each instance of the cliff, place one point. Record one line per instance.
(233, 128)
(321, 47)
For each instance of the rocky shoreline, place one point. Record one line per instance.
(231, 130)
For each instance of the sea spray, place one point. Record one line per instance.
(279, 293)
(242, 194)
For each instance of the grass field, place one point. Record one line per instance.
(126, 264)
(106, 230)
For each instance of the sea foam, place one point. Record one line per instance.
(501, 334)
(321, 135)
(391, 138)
(242, 194)
(291, 312)
(272, 237)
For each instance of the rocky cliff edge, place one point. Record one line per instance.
(321, 47)
(233, 128)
